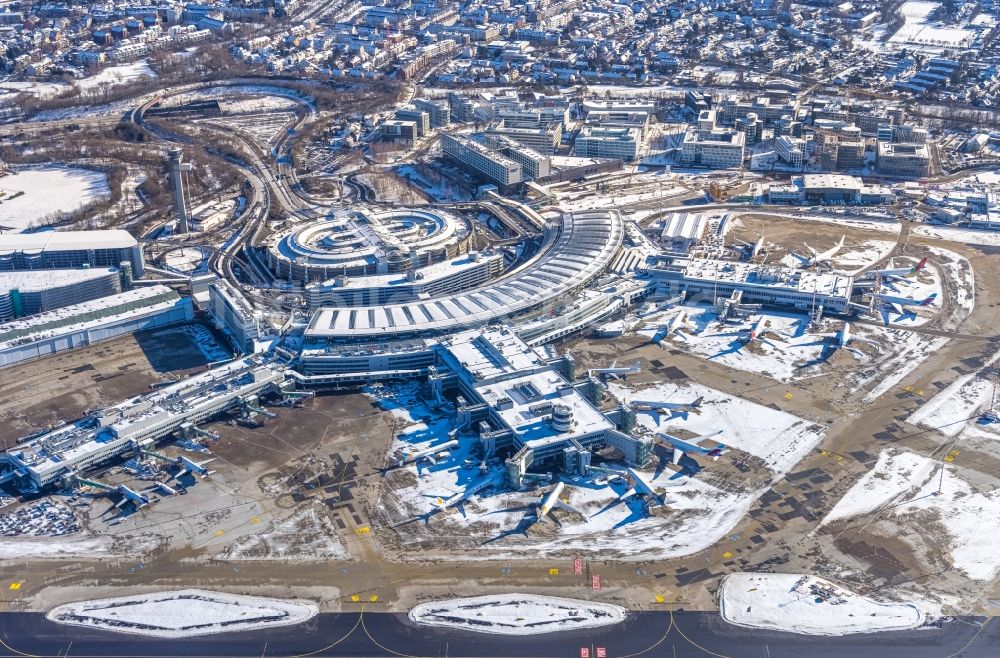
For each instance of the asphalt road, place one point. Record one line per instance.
(654, 634)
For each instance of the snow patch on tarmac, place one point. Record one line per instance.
(809, 605)
(517, 614)
(184, 613)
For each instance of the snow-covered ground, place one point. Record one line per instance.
(517, 614)
(75, 545)
(780, 439)
(893, 473)
(962, 409)
(306, 535)
(926, 497)
(183, 613)
(28, 198)
(118, 75)
(187, 260)
(955, 234)
(808, 604)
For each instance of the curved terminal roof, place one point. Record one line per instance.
(586, 244)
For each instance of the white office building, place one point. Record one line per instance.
(617, 143)
(721, 149)
(489, 163)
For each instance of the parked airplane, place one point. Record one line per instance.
(839, 340)
(165, 488)
(658, 409)
(193, 467)
(130, 496)
(758, 330)
(899, 272)
(674, 328)
(459, 498)
(900, 304)
(752, 249)
(614, 372)
(639, 486)
(817, 258)
(407, 456)
(550, 501)
(681, 446)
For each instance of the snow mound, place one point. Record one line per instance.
(183, 613)
(809, 605)
(517, 614)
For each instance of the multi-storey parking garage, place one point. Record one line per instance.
(367, 243)
(571, 256)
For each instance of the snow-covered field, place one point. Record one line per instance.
(808, 604)
(303, 536)
(925, 497)
(118, 75)
(183, 613)
(30, 196)
(919, 30)
(955, 234)
(75, 545)
(517, 614)
(881, 485)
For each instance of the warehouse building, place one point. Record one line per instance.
(90, 322)
(51, 250)
(28, 293)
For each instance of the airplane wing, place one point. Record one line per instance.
(898, 308)
(564, 505)
(678, 454)
(802, 259)
(431, 459)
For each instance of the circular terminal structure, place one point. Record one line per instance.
(363, 243)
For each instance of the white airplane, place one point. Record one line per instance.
(899, 272)
(639, 486)
(841, 340)
(758, 330)
(193, 467)
(614, 372)
(164, 487)
(406, 456)
(664, 408)
(550, 501)
(130, 496)
(678, 323)
(754, 247)
(459, 498)
(900, 304)
(681, 446)
(817, 258)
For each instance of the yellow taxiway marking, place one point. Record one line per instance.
(15, 586)
(363, 530)
(553, 572)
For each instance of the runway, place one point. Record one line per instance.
(382, 635)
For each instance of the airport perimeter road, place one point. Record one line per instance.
(653, 634)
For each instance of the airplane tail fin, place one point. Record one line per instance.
(697, 403)
(919, 266)
(929, 300)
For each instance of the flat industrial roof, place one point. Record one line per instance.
(67, 240)
(33, 280)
